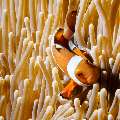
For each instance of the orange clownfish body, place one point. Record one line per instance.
(75, 63)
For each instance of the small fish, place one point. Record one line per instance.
(76, 63)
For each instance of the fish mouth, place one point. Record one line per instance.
(73, 90)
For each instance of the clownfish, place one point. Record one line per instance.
(74, 62)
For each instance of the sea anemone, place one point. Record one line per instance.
(31, 81)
